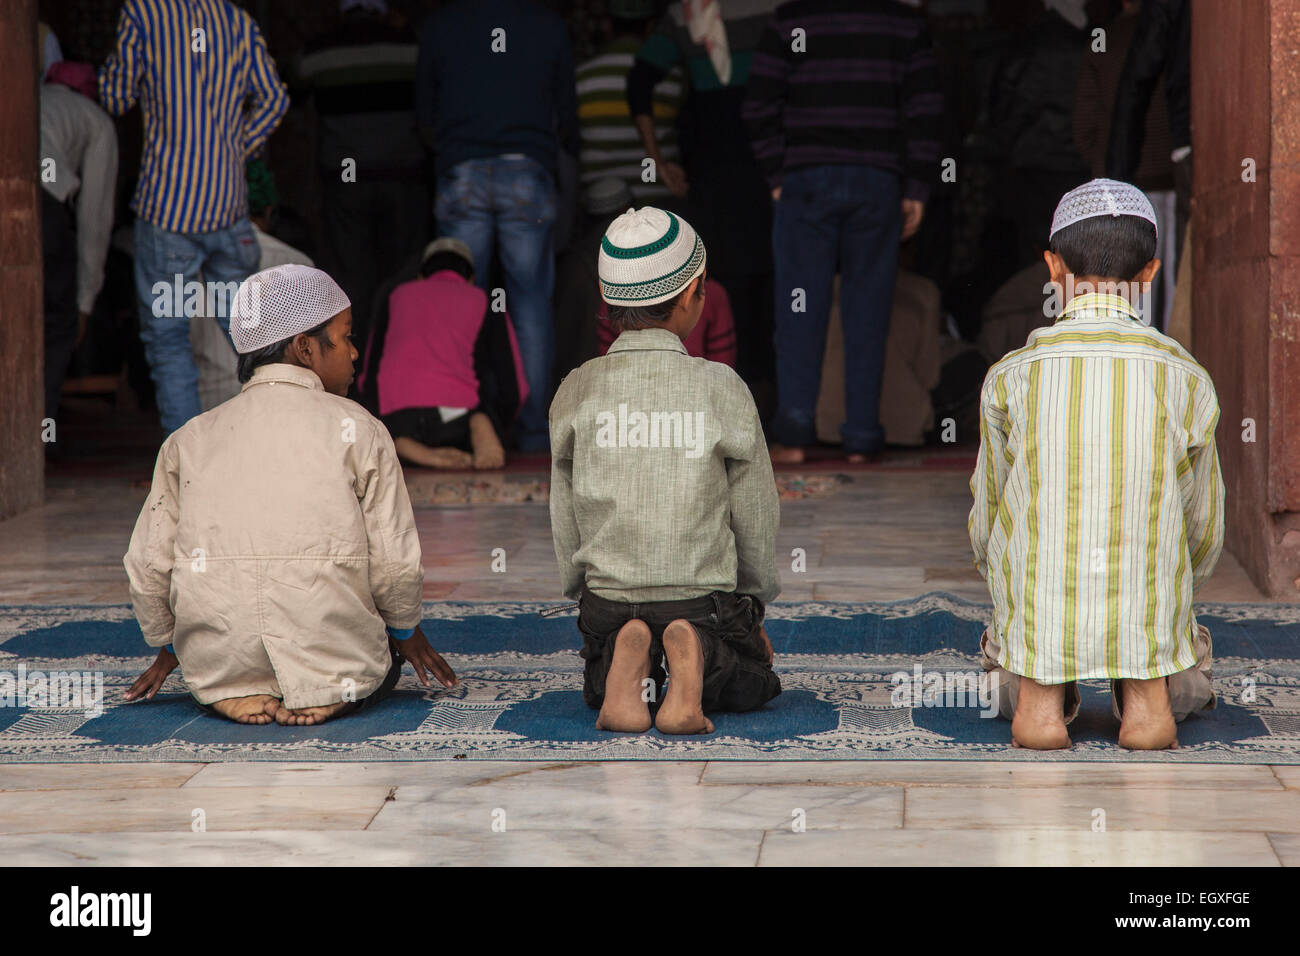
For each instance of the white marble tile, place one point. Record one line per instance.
(394, 848)
(619, 803)
(403, 773)
(1287, 847)
(941, 773)
(1168, 808)
(914, 847)
(1288, 776)
(83, 776)
(158, 808)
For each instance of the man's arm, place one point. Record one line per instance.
(564, 523)
(991, 469)
(765, 95)
(922, 109)
(396, 571)
(1203, 509)
(1137, 82)
(657, 56)
(755, 510)
(270, 100)
(119, 77)
(150, 556)
(95, 205)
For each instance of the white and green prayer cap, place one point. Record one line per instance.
(1101, 197)
(647, 256)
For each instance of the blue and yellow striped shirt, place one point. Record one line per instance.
(1098, 500)
(192, 64)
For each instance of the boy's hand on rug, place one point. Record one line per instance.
(416, 651)
(148, 683)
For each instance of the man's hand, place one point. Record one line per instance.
(776, 194)
(147, 684)
(674, 178)
(913, 212)
(415, 650)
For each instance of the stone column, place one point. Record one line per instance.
(1246, 264)
(22, 337)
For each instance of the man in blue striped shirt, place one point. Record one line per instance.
(191, 64)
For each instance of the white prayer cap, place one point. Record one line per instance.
(1101, 197)
(278, 303)
(647, 256)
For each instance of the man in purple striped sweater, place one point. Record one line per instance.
(844, 111)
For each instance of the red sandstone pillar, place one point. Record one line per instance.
(1246, 264)
(22, 348)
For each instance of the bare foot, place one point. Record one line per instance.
(682, 711)
(785, 455)
(488, 452)
(305, 716)
(417, 453)
(1039, 723)
(625, 710)
(1146, 721)
(255, 709)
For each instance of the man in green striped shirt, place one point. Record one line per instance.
(1098, 504)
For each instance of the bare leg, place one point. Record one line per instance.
(682, 711)
(306, 716)
(488, 452)
(254, 709)
(786, 455)
(417, 453)
(1147, 722)
(1039, 723)
(625, 710)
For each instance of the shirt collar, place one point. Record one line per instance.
(648, 340)
(279, 372)
(1099, 305)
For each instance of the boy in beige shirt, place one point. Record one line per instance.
(276, 555)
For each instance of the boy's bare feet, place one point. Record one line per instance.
(682, 711)
(1039, 723)
(1146, 721)
(255, 709)
(488, 452)
(305, 716)
(418, 453)
(785, 455)
(625, 710)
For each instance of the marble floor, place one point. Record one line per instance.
(881, 535)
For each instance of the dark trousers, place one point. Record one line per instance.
(737, 674)
(850, 216)
(59, 254)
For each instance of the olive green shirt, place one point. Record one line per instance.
(661, 486)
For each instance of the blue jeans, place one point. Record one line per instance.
(223, 255)
(510, 203)
(849, 216)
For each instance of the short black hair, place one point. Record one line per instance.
(270, 354)
(628, 318)
(446, 259)
(1110, 247)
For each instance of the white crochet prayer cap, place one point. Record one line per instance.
(278, 303)
(646, 256)
(1101, 197)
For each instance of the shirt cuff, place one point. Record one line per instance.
(400, 633)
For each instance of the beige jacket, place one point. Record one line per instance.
(275, 544)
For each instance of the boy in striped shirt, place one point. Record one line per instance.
(1098, 500)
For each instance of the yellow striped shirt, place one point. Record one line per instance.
(1098, 500)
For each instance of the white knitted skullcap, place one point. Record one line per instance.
(278, 303)
(1101, 197)
(647, 256)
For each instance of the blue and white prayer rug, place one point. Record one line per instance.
(888, 680)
